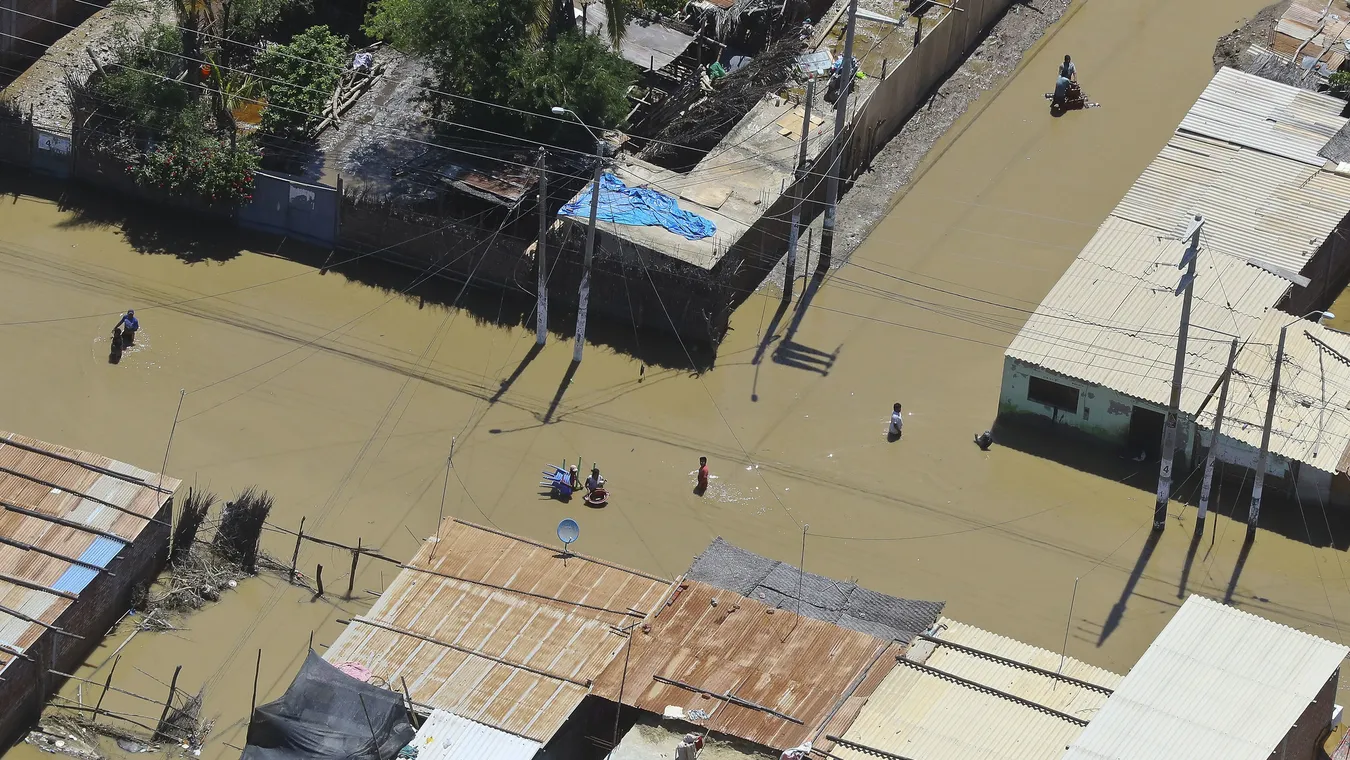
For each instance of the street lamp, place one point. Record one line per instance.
(1255, 512)
(585, 291)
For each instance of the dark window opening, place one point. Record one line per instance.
(1043, 391)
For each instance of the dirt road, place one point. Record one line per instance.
(344, 400)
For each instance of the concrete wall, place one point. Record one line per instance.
(28, 684)
(1305, 737)
(23, 38)
(1102, 413)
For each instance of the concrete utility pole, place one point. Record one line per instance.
(1169, 439)
(846, 77)
(1214, 437)
(541, 259)
(791, 275)
(585, 290)
(1254, 514)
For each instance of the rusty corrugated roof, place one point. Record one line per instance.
(64, 515)
(791, 678)
(499, 629)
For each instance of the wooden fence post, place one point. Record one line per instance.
(351, 577)
(295, 555)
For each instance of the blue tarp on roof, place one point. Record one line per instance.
(640, 207)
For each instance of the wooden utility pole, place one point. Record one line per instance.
(1169, 439)
(541, 259)
(168, 702)
(846, 76)
(790, 275)
(1214, 436)
(585, 290)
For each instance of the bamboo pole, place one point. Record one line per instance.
(295, 555)
(168, 701)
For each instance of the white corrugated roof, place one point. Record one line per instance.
(1244, 159)
(1216, 683)
(446, 736)
(1311, 423)
(1257, 205)
(1267, 116)
(1112, 319)
(921, 709)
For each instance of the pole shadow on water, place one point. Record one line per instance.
(1239, 565)
(1118, 610)
(562, 389)
(1045, 438)
(1190, 557)
(789, 352)
(516, 373)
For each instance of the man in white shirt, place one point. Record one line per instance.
(897, 421)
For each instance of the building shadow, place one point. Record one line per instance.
(1117, 613)
(1281, 511)
(193, 239)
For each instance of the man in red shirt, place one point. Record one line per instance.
(702, 475)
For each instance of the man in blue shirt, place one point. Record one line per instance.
(126, 327)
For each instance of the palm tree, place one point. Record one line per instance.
(554, 17)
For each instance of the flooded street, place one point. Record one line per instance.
(343, 401)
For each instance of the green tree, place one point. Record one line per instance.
(298, 79)
(498, 51)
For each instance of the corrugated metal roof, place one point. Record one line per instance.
(1217, 682)
(1267, 116)
(1311, 423)
(498, 629)
(445, 736)
(718, 642)
(1112, 318)
(41, 482)
(925, 712)
(1256, 205)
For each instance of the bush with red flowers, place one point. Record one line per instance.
(206, 167)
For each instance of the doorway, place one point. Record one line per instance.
(1146, 429)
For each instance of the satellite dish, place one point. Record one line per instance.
(568, 531)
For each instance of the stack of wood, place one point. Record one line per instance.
(350, 87)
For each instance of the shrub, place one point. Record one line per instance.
(202, 166)
(299, 79)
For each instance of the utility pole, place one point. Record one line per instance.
(1254, 514)
(585, 290)
(1169, 440)
(1214, 437)
(846, 76)
(540, 259)
(791, 275)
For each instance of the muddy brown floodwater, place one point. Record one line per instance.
(352, 431)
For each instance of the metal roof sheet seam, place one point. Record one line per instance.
(1025, 710)
(65, 515)
(1188, 698)
(458, 628)
(446, 736)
